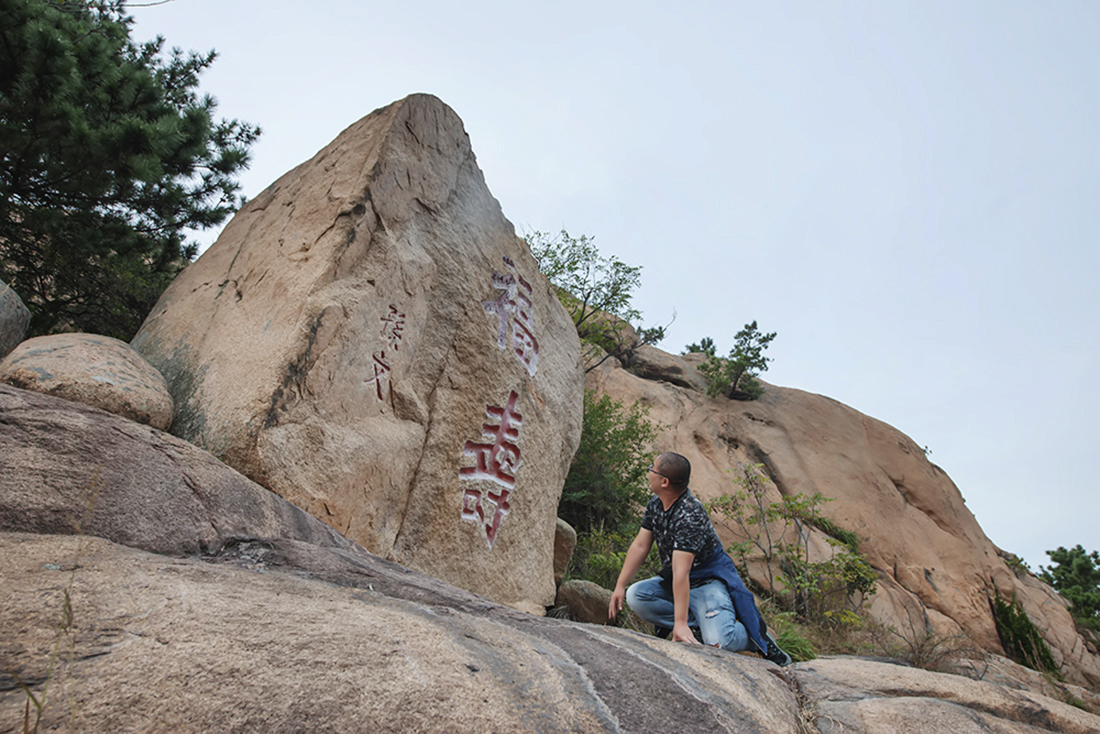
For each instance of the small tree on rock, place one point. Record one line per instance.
(1075, 575)
(705, 346)
(735, 375)
(597, 292)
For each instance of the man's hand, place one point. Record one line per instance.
(635, 557)
(682, 633)
(616, 604)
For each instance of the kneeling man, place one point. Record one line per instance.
(698, 586)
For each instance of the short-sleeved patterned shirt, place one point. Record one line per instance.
(685, 526)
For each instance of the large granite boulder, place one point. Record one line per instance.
(91, 369)
(14, 319)
(914, 527)
(67, 468)
(369, 339)
(286, 636)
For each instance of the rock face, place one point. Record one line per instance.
(285, 636)
(14, 319)
(91, 369)
(861, 696)
(276, 623)
(565, 541)
(914, 527)
(369, 339)
(585, 601)
(66, 468)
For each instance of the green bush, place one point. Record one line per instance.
(829, 592)
(597, 293)
(790, 635)
(606, 486)
(599, 557)
(1021, 641)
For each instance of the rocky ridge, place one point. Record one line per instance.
(914, 527)
(150, 586)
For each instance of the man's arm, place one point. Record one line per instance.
(681, 589)
(635, 557)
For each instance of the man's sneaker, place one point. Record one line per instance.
(775, 653)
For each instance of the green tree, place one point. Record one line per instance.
(108, 156)
(735, 376)
(606, 486)
(1075, 574)
(705, 346)
(596, 291)
(828, 591)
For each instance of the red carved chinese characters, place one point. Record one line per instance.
(515, 308)
(496, 462)
(393, 327)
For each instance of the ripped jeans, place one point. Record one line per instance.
(709, 609)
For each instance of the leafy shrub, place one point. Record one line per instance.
(1021, 641)
(789, 634)
(829, 592)
(606, 488)
(599, 557)
(597, 292)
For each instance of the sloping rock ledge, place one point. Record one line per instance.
(281, 635)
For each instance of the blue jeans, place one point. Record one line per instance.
(709, 609)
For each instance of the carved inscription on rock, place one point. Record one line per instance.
(515, 311)
(495, 463)
(393, 327)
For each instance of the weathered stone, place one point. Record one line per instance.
(283, 635)
(651, 363)
(585, 601)
(14, 319)
(865, 697)
(91, 369)
(565, 541)
(355, 340)
(314, 639)
(1002, 671)
(69, 468)
(910, 517)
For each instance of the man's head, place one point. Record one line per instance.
(675, 468)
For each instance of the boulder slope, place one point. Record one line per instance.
(369, 339)
(94, 370)
(914, 526)
(287, 636)
(273, 622)
(67, 468)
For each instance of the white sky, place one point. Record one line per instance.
(908, 193)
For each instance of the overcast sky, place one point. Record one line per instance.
(907, 193)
